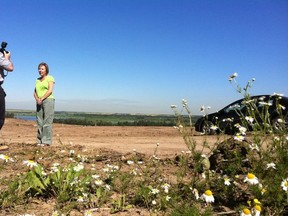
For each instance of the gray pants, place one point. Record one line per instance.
(45, 116)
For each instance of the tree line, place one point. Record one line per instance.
(87, 122)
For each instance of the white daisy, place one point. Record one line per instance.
(256, 210)
(227, 181)
(95, 176)
(249, 119)
(30, 163)
(242, 130)
(254, 146)
(27, 215)
(214, 127)
(271, 165)
(130, 162)
(208, 196)
(184, 102)
(166, 187)
(233, 76)
(98, 182)
(55, 213)
(167, 198)
(6, 158)
(245, 212)
(88, 213)
(251, 179)
(195, 192)
(239, 137)
(107, 187)
(284, 184)
(78, 167)
(80, 199)
(154, 191)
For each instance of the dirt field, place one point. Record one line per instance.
(122, 139)
(20, 136)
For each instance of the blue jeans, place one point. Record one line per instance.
(45, 116)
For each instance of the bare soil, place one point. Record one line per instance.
(122, 139)
(112, 141)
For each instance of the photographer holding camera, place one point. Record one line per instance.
(5, 64)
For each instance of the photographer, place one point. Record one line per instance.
(5, 64)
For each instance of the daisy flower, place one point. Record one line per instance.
(256, 210)
(78, 167)
(27, 215)
(30, 163)
(98, 182)
(254, 146)
(166, 187)
(249, 119)
(202, 109)
(251, 179)
(6, 158)
(242, 130)
(233, 76)
(271, 165)
(239, 137)
(95, 176)
(195, 192)
(208, 196)
(154, 191)
(167, 198)
(88, 213)
(107, 187)
(263, 190)
(214, 127)
(80, 199)
(284, 184)
(130, 162)
(134, 171)
(184, 102)
(55, 213)
(245, 212)
(228, 120)
(227, 181)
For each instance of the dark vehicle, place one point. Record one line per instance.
(251, 112)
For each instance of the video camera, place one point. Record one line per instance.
(3, 47)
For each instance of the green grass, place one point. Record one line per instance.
(100, 119)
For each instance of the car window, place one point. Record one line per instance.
(264, 102)
(234, 107)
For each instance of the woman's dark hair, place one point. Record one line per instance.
(45, 65)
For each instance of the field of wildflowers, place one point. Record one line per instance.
(246, 174)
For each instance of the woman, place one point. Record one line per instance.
(45, 101)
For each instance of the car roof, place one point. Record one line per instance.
(282, 98)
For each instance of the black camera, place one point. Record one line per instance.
(3, 47)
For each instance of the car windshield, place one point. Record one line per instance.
(234, 107)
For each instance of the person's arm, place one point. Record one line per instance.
(9, 67)
(38, 100)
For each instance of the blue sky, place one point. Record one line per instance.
(141, 56)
